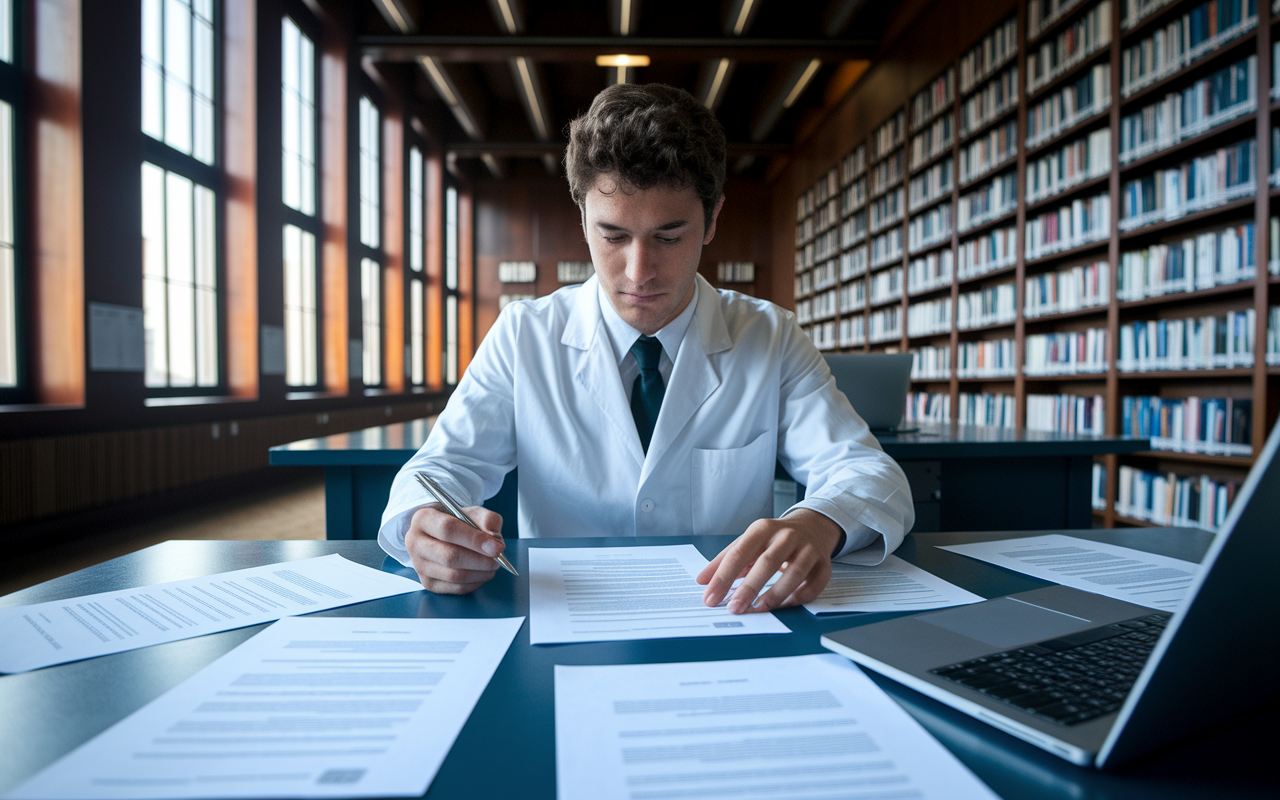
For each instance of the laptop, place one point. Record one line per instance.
(1016, 662)
(876, 385)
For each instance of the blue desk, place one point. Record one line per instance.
(507, 748)
(963, 477)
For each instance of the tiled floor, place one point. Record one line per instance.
(294, 511)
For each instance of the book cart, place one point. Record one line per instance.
(1071, 228)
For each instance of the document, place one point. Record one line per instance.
(795, 727)
(39, 635)
(599, 594)
(893, 585)
(1123, 573)
(309, 707)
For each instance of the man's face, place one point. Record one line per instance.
(646, 244)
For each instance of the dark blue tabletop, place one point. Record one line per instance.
(507, 748)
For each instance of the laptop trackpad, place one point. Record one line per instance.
(1005, 622)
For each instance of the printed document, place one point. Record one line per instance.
(309, 707)
(1122, 573)
(893, 585)
(39, 635)
(598, 594)
(794, 727)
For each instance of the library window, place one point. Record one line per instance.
(10, 84)
(298, 193)
(451, 285)
(370, 167)
(417, 240)
(181, 292)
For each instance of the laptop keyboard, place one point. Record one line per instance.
(1068, 680)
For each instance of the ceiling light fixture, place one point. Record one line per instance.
(803, 82)
(507, 16)
(743, 13)
(624, 23)
(721, 69)
(526, 79)
(621, 60)
(397, 15)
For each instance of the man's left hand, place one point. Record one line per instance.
(803, 541)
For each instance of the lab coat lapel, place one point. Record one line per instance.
(595, 368)
(693, 376)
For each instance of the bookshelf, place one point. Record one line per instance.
(1072, 227)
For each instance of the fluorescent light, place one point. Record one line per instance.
(507, 17)
(621, 60)
(526, 79)
(743, 13)
(803, 82)
(721, 70)
(397, 15)
(625, 23)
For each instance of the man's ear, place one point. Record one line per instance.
(711, 229)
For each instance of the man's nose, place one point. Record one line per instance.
(640, 267)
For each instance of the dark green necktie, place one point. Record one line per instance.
(646, 392)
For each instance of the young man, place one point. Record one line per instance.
(645, 402)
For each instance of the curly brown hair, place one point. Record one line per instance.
(647, 135)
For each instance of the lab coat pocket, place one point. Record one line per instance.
(730, 489)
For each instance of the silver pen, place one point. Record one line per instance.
(437, 491)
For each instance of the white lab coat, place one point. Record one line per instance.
(747, 387)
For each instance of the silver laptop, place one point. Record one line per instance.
(1213, 658)
(876, 385)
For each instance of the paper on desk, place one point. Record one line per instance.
(1118, 572)
(43, 634)
(794, 727)
(309, 707)
(597, 594)
(893, 585)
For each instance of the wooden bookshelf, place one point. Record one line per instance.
(1260, 383)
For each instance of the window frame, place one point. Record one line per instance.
(416, 382)
(212, 177)
(365, 91)
(12, 92)
(451, 296)
(310, 27)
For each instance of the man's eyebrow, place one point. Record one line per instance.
(670, 226)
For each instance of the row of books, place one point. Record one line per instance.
(931, 363)
(932, 141)
(996, 48)
(1273, 336)
(1184, 39)
(989, 359)
(932, 184)
(1066, 413)
(1209, 426)
(854, 263)
(1070, 289)
(930, 272)
(929, 229)
(1063, 109)
(992, 410)
(853, 230)
(998, 96)
(934, 98)
(1043, 13)
(991, 305)
(854, 196)
(1210, 101)
(853, 297)
(994, 250)
(889, 135)
(1098, 489)
(887, 210)
(853, 331)
(1066, 353)
(1214, 258)
(887, 173)
(824, 336)
(992, 200)
(886, 285)
(1072, 164)
(820, 306)
(1086, 35)
(990, 151)
(1213, 179)
(853, 164)
(885, 325)
(827, 187)
(1083, 221)
(1223, 341)
(1134, 11)
(1196, 501)
(928, 318)
(926, 407)
(886, 248)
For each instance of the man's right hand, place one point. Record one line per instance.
(450, 556)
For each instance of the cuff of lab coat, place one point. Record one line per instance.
(862, 545)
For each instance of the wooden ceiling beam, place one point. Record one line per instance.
(564, 49)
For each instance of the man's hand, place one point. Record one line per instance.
(803, 541)
(450, 556)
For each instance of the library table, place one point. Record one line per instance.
(46, 713)
(962, 477)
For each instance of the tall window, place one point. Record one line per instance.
(10, 88)
(451, 285)
(371, 239)
(417, 242)
(179, 194)
(302, 227)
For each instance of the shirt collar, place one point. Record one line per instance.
(622, 335)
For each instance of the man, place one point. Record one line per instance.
(645, 402)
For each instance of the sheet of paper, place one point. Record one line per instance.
(894, 585)
(795, 727)
(309, 707)
(598, 594)
(1122, 573)
(39, 635)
